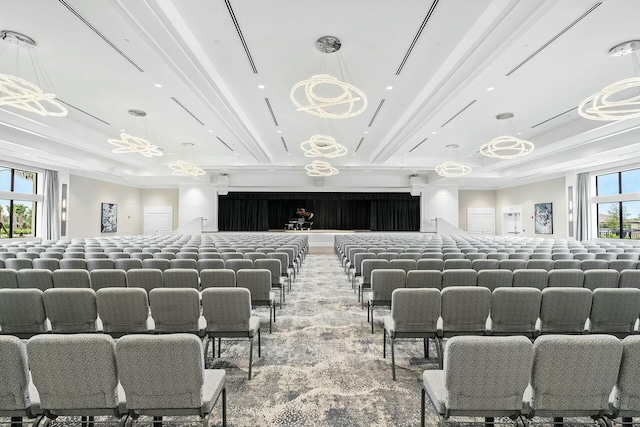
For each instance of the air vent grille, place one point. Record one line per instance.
(225, 144)
(416, 37)
(285, 144)
(83, 111)
(187, 110)
(459, 112)
(242, 40)
(273, 116)
(375, 114)
(418, 144)
(359, 144)
(554, 117)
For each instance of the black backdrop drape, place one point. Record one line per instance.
(239, 211)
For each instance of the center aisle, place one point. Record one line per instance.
(321, 366)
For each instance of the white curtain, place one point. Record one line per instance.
(51, 207)
(582, 207)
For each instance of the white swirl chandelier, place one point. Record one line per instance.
(506, 147)
(320, 168)
(619, 100)
(453, 169)
(349, 101)
(323, 146)
(182, 168)
(134, 144)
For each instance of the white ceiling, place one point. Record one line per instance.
(103, 57)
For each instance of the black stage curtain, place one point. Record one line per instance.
(239, 211)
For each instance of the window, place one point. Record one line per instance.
(18, 202)
(619, 209)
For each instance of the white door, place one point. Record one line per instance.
(481, 220)
(158, 220)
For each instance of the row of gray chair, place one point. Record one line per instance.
(434, 314)
(118, 310)
(91, 375)
(557, 376)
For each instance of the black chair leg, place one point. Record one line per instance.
(157, 421)
(558, 421)
(627, 421)
(422, 396)
(425, 344)
(86, 421)
(219, 346)
(16, 421)
(224, 407)
(384, 343)
(489, 422)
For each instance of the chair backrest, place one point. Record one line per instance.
(485, 264)
(217, 278)
(475, 255)
(368, 265)
(384, 282)
(254, 256)
(73, 255)
(540, 255)
(73, 264)
(283, 257)
(98, 263)
(540, 264)
(46, 263)
(161, 371)
(157, 264)
(629, 255)
(22, 311)
(629, 279)
(451, 264)
(8, 278)
(14, 375)
(127, 264)
(35, 278)
(415, 310)
(452, 255)
(388, 255)
(584, 256)
(74, 372)
(513, 264)
(596, 279)
(486, 374)
(209, 264)
(118, 255)
(530, 278)
(614, 311)
(498, 256)
(209, 255)
(175, 310)
(108, 279)
(574, 374)
(424, 279)
(465, 309)
(123, 310)
(593, 264)
(623, 264)
(564, 310)
(520, 255)
(608, 256)
(567, 278)
(164, 255)
(515, 310)
(403, 264)
(627, 391)
(459, 277)
(226, 309)
(493, 279)
(141, 255)
(430, 264)
(18, 263)
(180, 278)
(75, 278)
(238, 264)
(273, 265)
(146, 278)
(226, 256)
(188, 255)
(258, 281)
(71, 310)
(433, 255)
(183, 263)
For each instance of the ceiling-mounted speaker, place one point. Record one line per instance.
(319, 182)
(223, 185)
(415, 185)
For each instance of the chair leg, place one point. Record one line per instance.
(270, 319)
(157, 421)
(224, 407)
(16, 421)
(439, 351)
(251, 355)
(489, 422)
(558, 421)
(384, 343)
(259, 343)
(422, 397)
(627, 421)
(425, 344)
(219, 346)
(393, 360)
(371, 318)
(206, 349)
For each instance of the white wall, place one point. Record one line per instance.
(199, 201)
(553, 191)
(438, 202)
(474, 199)
(162, 197)
(85, 198)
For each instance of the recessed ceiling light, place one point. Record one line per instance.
(170, 154)
(237, 154)
(27, 154)
(519, 133)
(210, 131)
(288, 154)
(368, 170)
(366, 131)
(434, 132)
(279, 131)
(389, 87)
(353, 154)
(260, 86)
(157, 85)
(121, 130)
(489, 89)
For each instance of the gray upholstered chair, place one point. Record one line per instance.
(414, 314)
(433, 255)
(165, 375)
(424, 279)
(357, 266)
(164, 255)
(231, 255)
(123, 311)
(446, 256)
(513, 264)
(99, 263)
(213, 278)
(572, 376)
(584, 256)
(593, 264)
(71, 310)
(430, 264)
(35, 278)
(485, 264)
(238, 264)
(274, 266)
(73, 255)
(22, 312)
(209, 264)
(567, 264)
(183, 264)
(596, 279)
(530, 278)
(515, 311)
(175, 310)
(566, 278)
(254, 256)
(118, 255)
(614, 311)
(209, 255)
(76, 375)
(108, 279)
(157, 264)
(564, 310)
(451, 264)
(608, 256)
(18, 263)
(127, 264)
(482, 377)
(383, 283)
(188, 255)
(499, 256)
(258, 282)
(404, 264)
(8, 278)
(493, 279)
(18, 396)
(622, 264)
(625, 398)
(72, 264)
(459, 277)
(629, 279)
(227, 312)
(181, 278)
(46, 263)
(141, 255)
(540, 264)
(74, 278)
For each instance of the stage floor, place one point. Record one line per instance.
(322, 238)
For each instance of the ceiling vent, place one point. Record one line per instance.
(417, 36)
(242, 40)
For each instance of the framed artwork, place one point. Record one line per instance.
(109, 218)
(543, 218)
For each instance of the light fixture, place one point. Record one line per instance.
(135, 144)
(323, 146)
(453, 169)
(182, 168)
(610, 103)
(320, 168)
(489, 89)
(326, 96)
(506, 146)
(389, 87)
(19, 93)
(260, 86)
(157, 85)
